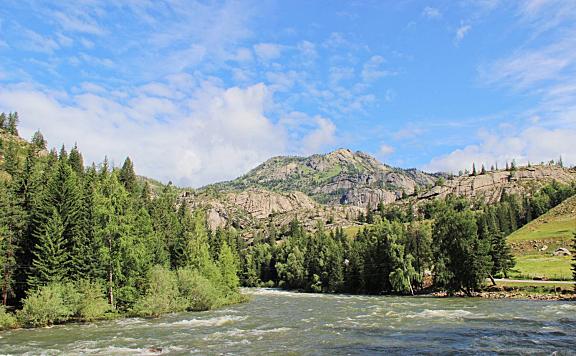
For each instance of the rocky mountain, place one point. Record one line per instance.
(341, 177)
(491, 185)
(337, 187)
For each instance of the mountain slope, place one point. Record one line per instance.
(534, 244)
(339, 177)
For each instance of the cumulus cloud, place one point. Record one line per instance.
(216, 133)
(534, 144)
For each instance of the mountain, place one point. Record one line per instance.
(341, 177)
(336, 188)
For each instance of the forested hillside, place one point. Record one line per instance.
(85, 243)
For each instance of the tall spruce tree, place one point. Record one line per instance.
(51, 257)
(76, 161)
(128, 176)
(12, 218)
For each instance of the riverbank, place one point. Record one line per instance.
(282, 322)
(522, 293)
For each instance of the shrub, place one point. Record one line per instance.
(162, 295)
(47, 305)
(7, 320)
(198, 292)
(92, 304)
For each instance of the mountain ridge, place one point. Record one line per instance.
(338, 177)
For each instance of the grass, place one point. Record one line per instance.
(557, 228)
(543, 266)
(554, 229)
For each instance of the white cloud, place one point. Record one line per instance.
(372, 69)
(534, 144)
(320, 137)
(79, 21)
(267, 51)
(215, 133)
(431, 13)
(38, 43)
(386, 150)
(462, 31)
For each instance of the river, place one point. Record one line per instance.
(280, 322)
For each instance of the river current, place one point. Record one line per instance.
(287, 323)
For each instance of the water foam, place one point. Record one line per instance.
(217, 321)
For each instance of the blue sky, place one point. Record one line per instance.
(201, 91)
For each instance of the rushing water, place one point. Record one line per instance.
(292, 323)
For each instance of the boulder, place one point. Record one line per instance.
(562, 252)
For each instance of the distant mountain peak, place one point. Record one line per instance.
(338, 177)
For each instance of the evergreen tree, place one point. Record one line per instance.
(474, 173)
(12, 125)
(87, 246)
(128, 176)
(38, 141)
(483, 171)
(111, 209)
(11, 159)
(51, 262)
(12, 219)
(501, 255)
(463, 260)
(76, 161)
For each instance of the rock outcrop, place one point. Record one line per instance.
(491, 185)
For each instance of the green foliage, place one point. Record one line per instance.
(7, 320)
(197, 291)
(51, 260)
(92, 304)
(127, 176)
(162, 294)
(51, 304)
(463, 259)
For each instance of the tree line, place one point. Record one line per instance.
(453, 244)
(100, 233)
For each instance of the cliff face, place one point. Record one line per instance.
(341, 177)
(254, 208)
(492, 185)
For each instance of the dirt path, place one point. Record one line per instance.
(532, 281)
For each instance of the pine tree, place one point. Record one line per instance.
(483, 170)
(38, 141)
(127, 176)
(11, 159)
(165, 219)
(12, 219)
(12, 126)
(474, 173)
(111, 205)
(86, 247)
(51, 262)
(76, 161)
